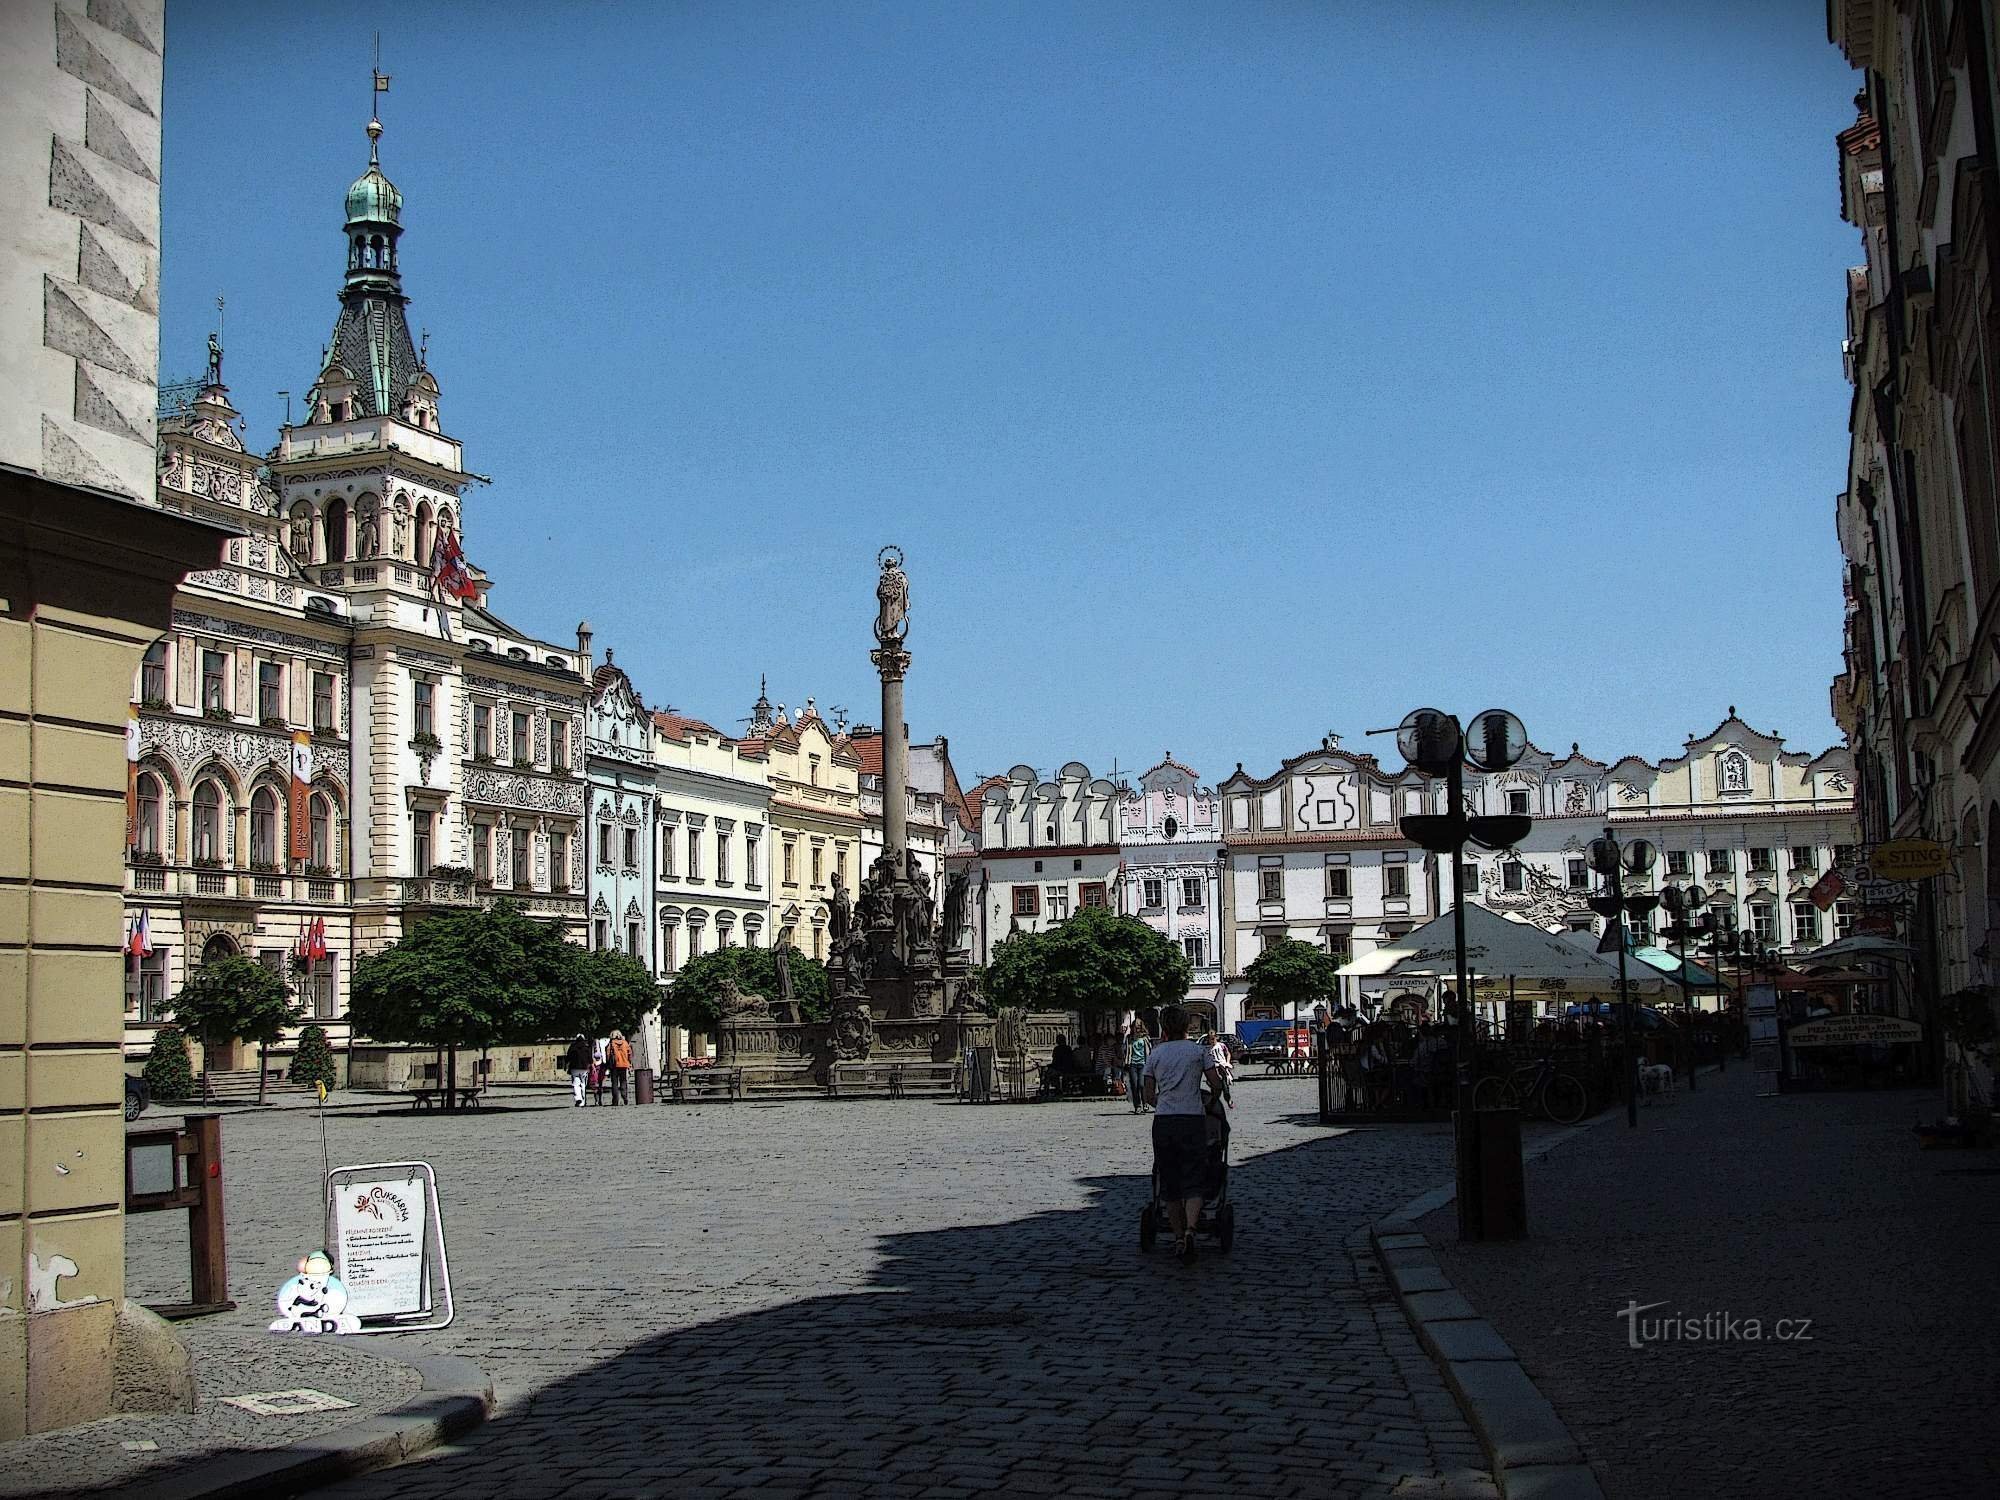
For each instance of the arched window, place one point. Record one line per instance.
(151, 813)
(207, 831)
(321, 809)
(264, 827)
(336, 530)
(423, 553)
(153, 674)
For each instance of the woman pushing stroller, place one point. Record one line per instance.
(1174, 1072)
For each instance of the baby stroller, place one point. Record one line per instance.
(1218, 1214)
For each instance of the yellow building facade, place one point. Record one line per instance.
(816, 822)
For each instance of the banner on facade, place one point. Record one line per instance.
(1852, 1031)
(302, 764)
(387, 1241)
(1908, 859)
(132, 777)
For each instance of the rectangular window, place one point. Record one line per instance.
(558, 861)
(791, 862)
(631, 848)
(667, 852)
(270, 692)
(1844, 855)
(1642, 930)
(1027, 901)
(1192, 947)
(722, 856)
(1191, 892)
(1760, 860)
(482, 851)
(1677, 862)
(1337, 885)
(558, 745)
(632, 941)
(1396, 881)
(604, 843)
(819, 865)
(1579, 874)
(1057, 899)
(750, 843)
(214, 682)
(420, 842)
(694, 854)
(519, 748)
(1805, 922)
(1340, 946)
(1271, 885)
(319, 993)
(1843, 919)
(1152, 892)
(840, 867)
(153, 674)
(1764, 922)
(1719, 862)
(600, 933)
(1090, 893)
(670, 959)
(482, 731)
(146, 985)
(322, 704)
(1512, 876)
(1517, 802)
(1804, 857)
(1468, 878)
(518, 859)
(426, 701)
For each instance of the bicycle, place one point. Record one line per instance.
(1537, 1087)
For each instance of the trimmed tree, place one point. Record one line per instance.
(168, 1073)
(695, 1000)
(613, 992)
(313, 1062)
(469, 978)
(1094, 963)
(231, 999)
(1289, 975)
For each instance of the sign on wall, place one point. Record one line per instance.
(1849, 1031)
(1908, 859)
(387, 1240)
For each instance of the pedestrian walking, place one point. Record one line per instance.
(1173, 1075)
(577, 1060)
(618, 1058)
(599, 1050)
(1137, 1045)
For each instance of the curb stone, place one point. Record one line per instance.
(1530, 1449)
(455, 1398)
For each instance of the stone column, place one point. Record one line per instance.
(892, 596)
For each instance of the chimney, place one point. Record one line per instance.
(583, 637)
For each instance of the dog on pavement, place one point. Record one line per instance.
(1656, 1078)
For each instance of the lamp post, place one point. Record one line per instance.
(1682, 906)
(1614, 861)
(1434, 744)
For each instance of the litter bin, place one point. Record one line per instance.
(642, 1085)
(982, 1075)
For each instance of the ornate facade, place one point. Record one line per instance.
(1046, 849)
(440, 750)
(624, 797)
(712, 857)
(816, 821)
(1170, 876)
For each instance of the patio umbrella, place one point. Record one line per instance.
(1862, 945)
(1496, 948)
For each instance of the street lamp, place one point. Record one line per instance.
(1614, 861)
(1683, 906)
(1434, 745)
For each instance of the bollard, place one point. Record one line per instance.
(642, 1085)
(207, 1262)
(1504, 1197)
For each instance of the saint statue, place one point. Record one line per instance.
(214, 360)
(954, 911)
(892, 595)
(840, 913)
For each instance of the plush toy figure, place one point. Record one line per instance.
(314, 1301)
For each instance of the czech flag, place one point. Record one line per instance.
(139, 936)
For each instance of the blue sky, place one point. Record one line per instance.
(1230, 373)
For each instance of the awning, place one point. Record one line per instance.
(1669, 964)
(1861, 945)
(1496, 948)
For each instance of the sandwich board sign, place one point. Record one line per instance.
(386, 1237)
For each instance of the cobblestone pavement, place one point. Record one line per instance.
(1805, 1206)
(875, 1298)
(111, 1455)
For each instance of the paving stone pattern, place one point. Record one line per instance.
(230, 1361)
(1802, 1206)
(875, 1298)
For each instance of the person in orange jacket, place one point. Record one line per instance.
(618, 1058)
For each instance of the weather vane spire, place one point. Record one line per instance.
(379, 85)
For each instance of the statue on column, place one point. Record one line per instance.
(214, 360)
(840, 914)
(892, 595)
(953, 922)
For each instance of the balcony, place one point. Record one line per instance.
(226, 884)
(430, 892)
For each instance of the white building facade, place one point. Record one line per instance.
(1171, 873)
(1047, 848)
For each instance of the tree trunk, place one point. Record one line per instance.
(451, 1078)
(263, 1072)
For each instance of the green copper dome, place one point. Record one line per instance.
(373, 199)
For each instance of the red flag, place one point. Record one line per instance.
(449, 574)
(1826, 890)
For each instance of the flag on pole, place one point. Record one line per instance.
(1826, 890)
(450, 578)
(139, 936)
(302, 759)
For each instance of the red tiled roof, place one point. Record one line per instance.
(869, 748)
(680, 726)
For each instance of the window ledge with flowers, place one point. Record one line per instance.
(452, 874)
(319, 872)
(218, 715)
(426, 744)
(206, 862)
(275, 721)
(154, 705)
(482, 757)
(151, 858)
(265, 867)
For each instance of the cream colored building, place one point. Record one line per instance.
(816, 821)
(87, 570)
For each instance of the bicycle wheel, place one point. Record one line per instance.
(1492, 1092)
(1564, 1099)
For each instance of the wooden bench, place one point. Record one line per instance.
(901, 1080)
(428, 1098)
(690, 1085)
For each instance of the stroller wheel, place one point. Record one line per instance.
(1149, 1227)
(1225, 1226)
